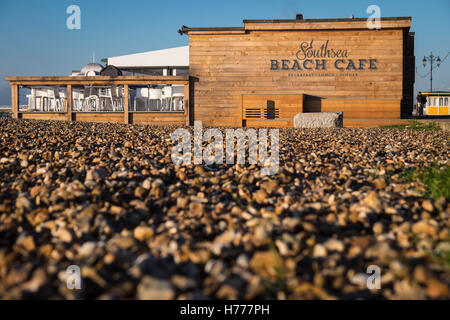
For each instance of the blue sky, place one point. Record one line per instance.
(35, 40)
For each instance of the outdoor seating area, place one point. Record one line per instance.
(85, 99)
(158, 98)
(90, 98)
(45, 99)
(98, 98)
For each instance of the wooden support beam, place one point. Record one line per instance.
(186, 104)
(69, 102)
(126, 99)
(98, 80)
(15, 101)
(124, 79)
(241, 110)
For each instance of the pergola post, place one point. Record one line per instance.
(186, 103)
(126, 114)
(15, 101)
(69, 102)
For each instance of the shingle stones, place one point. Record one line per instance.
(108, 198)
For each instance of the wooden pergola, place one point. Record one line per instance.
(125, 116)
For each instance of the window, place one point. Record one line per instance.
(446, 101)
(441, 102)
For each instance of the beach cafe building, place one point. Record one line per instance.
(260, 74)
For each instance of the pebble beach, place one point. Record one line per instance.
(108, 198)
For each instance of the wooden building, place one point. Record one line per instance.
(265, 72)
(262, 74)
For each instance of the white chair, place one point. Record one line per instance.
(55, 99)
(63, 99)
(105, 99)
(77, 97)
(178, 97)
(142, 92)
(167, 98)
(41, 98)
(92, 102)
(31, 102)
(52, 95)
(155, 96)
(116, 98)
(50, 101)
(141, 99)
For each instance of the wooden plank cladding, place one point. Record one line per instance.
(269, 123)
(159, 118)
(337, 64)
(347, 123)
(116, 117)
(321, 24)
(364, 109)
(374, 122)
(97, 80)
(44, 116)
(155, 118)
(271, 106)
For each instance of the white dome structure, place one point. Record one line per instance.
(91, 69)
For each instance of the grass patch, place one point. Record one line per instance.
(440, 258)
(439, 255)
(238, 202)
(279, 290)
(414, 125)
(435, 179)
(278, 267)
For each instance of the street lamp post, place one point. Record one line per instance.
(432, 59)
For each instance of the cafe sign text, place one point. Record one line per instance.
(310, 58)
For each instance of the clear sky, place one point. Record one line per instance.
(34, 38)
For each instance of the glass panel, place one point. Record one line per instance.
(42, 98)
(98, 98)
(161, 97)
